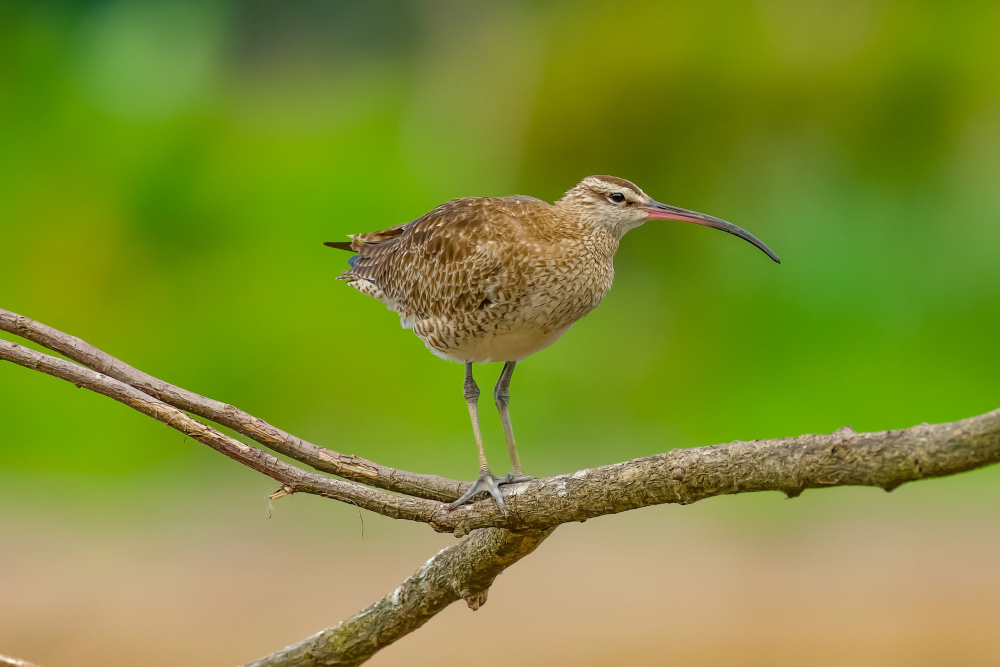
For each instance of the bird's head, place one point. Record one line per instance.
(620, 206)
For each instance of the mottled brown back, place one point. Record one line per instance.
(445, 262)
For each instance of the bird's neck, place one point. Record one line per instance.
(580, 222)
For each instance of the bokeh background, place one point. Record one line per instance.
(168, 171)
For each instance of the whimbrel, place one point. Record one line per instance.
(483, 279)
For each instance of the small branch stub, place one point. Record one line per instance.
(476, 601)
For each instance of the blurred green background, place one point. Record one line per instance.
(168, 171)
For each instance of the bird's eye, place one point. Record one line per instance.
(616, 197)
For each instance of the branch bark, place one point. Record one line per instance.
(464, 571)
(292, 478)
(884, 459)
(349, 467)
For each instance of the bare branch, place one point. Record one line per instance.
(350, 467)
(291, 478)
(884, 459)
(464, 571)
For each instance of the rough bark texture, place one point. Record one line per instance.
(347, 466)
(884, 459)
(376, 500)
(464, 571)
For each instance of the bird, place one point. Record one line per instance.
(496, 279)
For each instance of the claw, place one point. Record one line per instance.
(489, 483)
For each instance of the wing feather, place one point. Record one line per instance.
(449, 261)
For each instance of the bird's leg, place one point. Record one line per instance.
(472, 399)
(486, 481)
(501, 394)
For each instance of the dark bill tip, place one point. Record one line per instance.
(658, 211)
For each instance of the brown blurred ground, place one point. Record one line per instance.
(853, 577)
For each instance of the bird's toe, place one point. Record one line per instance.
(489, 483)
(511, 478)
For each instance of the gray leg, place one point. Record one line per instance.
(501, 393)
(486, 481)
(472, 399)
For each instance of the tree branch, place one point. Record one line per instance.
(292, 478)
(884, 459)
(349, 467)
(464, 571)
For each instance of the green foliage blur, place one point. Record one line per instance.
(169, 170)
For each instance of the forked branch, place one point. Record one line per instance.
(326, 460)
(291, 478)
(884, 459)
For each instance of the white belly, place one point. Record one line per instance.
(511, 334)
(506, 343)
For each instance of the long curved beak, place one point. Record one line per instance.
(658, 211)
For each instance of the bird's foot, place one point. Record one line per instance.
(490, 483)
(487, 482)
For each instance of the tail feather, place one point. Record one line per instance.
(348, 246)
